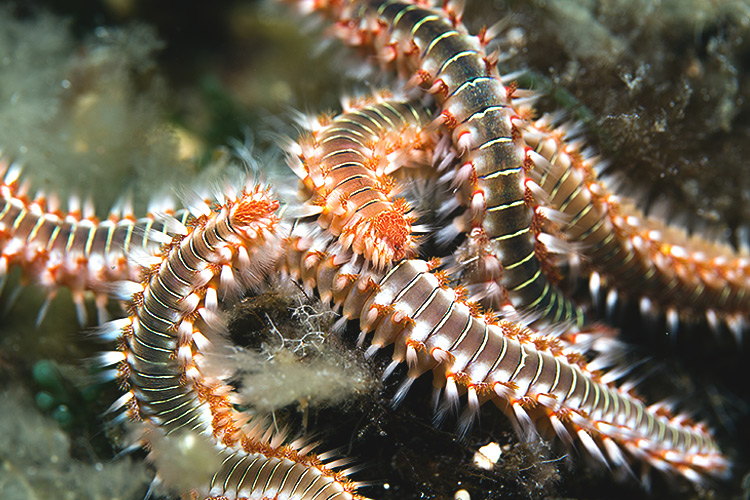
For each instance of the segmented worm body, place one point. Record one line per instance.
(74, 250)
(633, 253)
(175, 311)
(289, 475)
(434, 47)
(630, 252)
(529, 375)
(359, 256)
(219, 255)
(537, 380)
(347, 165)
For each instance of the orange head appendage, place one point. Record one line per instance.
(254, 207)
(390, 235)
(393, 229)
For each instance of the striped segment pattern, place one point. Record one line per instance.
(176, 317)
(347, 166)
(635, 254)
(433, 49)
(74, 250)
(176, 309)
(538, 381)
(360, 254)
(289, 475)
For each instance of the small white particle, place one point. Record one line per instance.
(487, 456)
(462, 495)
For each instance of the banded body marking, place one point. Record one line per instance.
(346, 165)
(74, 250)
(433, 327)
(630, 252)
(633, 253)
(175, 319)
(527, 374)
(177, 303)
(434, 47)
(256, 475)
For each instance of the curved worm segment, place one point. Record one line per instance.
(630, 252)
(531, 377)
(175, 317)
(434, 50)
(346, 166)
(539, 381)
(74, 250)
